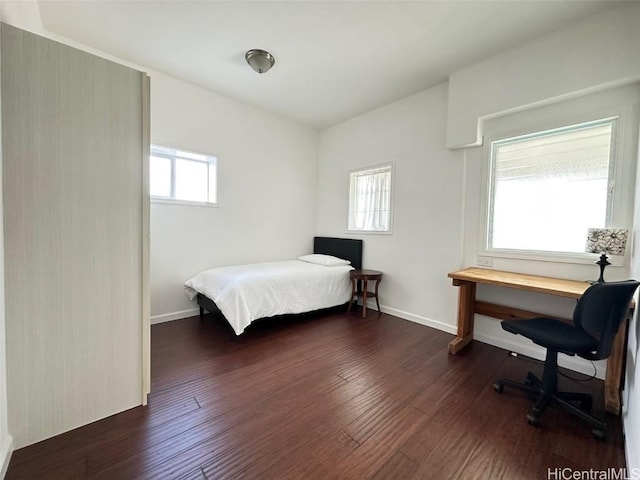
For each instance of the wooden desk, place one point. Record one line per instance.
(468, 306)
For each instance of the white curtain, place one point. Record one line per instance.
(371, 200)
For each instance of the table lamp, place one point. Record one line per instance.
(605, 241)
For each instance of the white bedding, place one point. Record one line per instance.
(247, 292)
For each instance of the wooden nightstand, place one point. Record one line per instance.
(364, 276)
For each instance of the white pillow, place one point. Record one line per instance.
(326, 260)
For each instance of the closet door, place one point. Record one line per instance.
(74, 134)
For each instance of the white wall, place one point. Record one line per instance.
(6, 441)
(631, 394)
(428, 194)
(582, 59)
(267, 169)
(430, 180)
(594, 55)
(267, 190)
(598, 53)
(489, 330)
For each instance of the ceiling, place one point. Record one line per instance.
(334, 59)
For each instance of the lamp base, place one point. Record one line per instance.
(602, 263)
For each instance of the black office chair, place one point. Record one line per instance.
(596, 319)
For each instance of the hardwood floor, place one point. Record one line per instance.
(324, 397)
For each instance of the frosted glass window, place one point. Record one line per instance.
(548, 188)
(370, 200)
(183, 176)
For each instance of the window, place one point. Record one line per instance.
(547, 188)
(370, 200)
(176, 175)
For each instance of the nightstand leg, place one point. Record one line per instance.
(377, 301)
(364, 298)
(353, 293)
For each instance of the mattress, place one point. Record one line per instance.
(245, 293)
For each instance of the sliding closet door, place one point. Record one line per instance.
(74, 219)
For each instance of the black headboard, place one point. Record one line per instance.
(347, 248)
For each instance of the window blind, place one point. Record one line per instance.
(549, 187)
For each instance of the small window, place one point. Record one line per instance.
(176, 175)
(370, 200)
(548, 188)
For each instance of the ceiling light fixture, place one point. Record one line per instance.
(260, 60)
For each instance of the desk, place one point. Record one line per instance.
(468, 306)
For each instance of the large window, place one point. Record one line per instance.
(180, 176)
(370, 200)
(547, 188)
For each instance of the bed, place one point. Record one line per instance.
(245, 293)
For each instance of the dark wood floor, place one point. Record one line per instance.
(331, 396)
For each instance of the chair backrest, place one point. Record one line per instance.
(601, 309)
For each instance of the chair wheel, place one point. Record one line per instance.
(601, 435)
(498, 387)
(533, 419)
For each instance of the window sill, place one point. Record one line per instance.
(183, 203)
(559, 257)
(368, 232)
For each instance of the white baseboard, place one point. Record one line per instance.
(429, 322)
(5, 454)
(169, 317)
(572, 363)
(631, 450)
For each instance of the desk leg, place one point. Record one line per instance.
(466, 301)
(615, 363)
